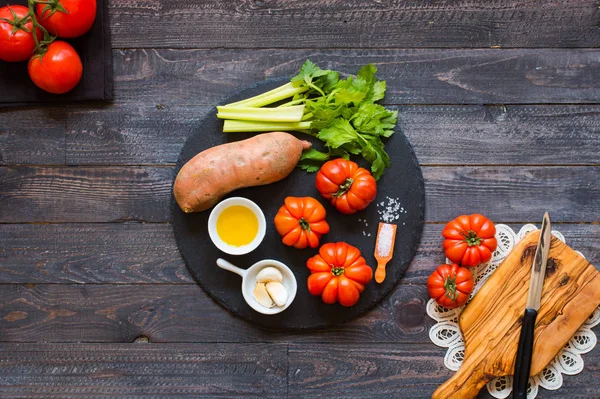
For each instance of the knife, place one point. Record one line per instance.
(525, 349)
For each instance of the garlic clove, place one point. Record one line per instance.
(269, 274)
(262, 296)
(277, 292)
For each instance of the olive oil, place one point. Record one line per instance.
(237, 225)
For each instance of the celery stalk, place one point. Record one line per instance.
(307, 116)
(293, 102)
(270, 97)
(287, 114)
(233, 126)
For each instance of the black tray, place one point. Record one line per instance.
(17, 89)
(403, 181)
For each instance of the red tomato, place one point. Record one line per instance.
(58, 70)
(78, 19)
(450, 285)
(348, 187)
(19, 45)
(338, 274)
(301, 222)
(470, 240)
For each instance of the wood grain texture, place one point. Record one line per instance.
(67, 194)
(110, 284)
(364, 371)
(514, 194)
(108, 194)
(146, 134)
(491, 322)
(181, 313)
(453, 76)
(149, 371)
(126, 134)
(32, 136)
(138, 253)
(371, 370)
(354, 24)
(121, 253)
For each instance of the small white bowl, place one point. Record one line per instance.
(231, 249)
(249, 282)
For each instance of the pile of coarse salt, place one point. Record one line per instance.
(390, 209)
(384, 240)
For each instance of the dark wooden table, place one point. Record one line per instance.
(501, 101)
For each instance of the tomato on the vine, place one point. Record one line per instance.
(16, 34)
(348, 187)
(58, 70)
(67, 18)
(450, 285)
(470, 240)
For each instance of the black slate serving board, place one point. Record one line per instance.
(402, 182)
(16, 89)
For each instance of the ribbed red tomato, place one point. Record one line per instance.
(348, 187)
(470, 240)
(301, 222)
(338, 273)
(16, 38)
(450, 285)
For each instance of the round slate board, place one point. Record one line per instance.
(402, 182)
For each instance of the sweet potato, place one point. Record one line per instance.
(213, 173)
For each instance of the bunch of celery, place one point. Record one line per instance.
(340, 112)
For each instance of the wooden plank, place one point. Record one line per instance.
(140, 134)
(180, 313)
(32, 136)
(137, 253)
(512, 194)
(435, 76)
(130, 134)
(184, 313)
(67, 194)
(132, 371)
(365, 370)
(354, 24)
(121, 253)
(91, 371)
(107, 194)
(369, 370)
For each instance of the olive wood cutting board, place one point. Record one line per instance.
(491, 322)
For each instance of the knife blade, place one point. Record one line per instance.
(534, 296)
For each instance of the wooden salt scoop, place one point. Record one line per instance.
(386, 234)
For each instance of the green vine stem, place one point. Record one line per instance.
(40, 46)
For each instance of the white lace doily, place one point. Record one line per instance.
(446, 333)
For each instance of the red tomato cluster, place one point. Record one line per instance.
(469, 240)
(338, 273)
(30, 33)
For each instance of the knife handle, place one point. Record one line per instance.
(524, 352)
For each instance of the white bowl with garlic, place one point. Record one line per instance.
(268, 286)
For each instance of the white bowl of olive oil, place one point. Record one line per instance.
(237, 226)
